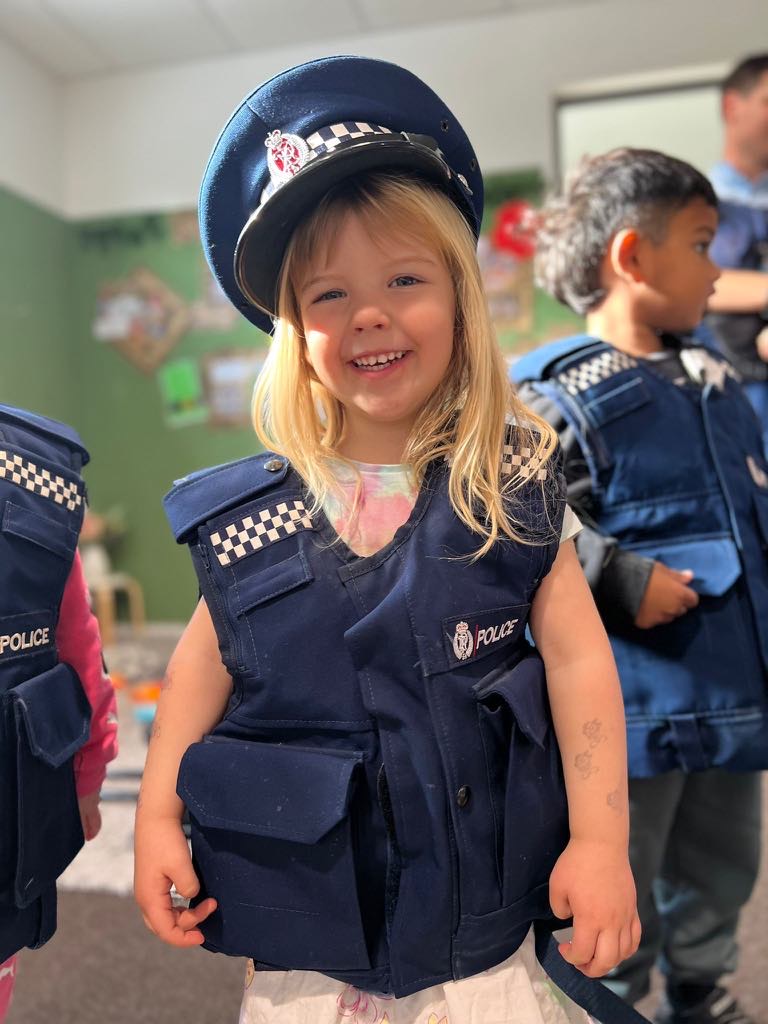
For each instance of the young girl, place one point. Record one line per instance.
(354, 717)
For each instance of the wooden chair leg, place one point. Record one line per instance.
(135, 604)
(104, 601)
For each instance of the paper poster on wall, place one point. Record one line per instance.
(523, 315)
(182, 392)
(212, 311)
(229, 378)
(141, 317)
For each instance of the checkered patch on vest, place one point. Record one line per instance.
(20, 471)
(595, 370)
(251, 533)
(522, 462)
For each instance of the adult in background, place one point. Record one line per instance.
(738, 311)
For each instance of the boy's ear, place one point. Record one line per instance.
(623, 255)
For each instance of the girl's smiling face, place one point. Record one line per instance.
(378, 318)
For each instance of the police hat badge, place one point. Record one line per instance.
(298, 135)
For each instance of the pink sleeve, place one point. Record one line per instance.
(79, 645)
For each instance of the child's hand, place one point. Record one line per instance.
(592, 883)
(761, 344)
(666, 597)
(163, 860)
(90, 815)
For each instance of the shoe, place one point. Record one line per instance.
(718, 1006)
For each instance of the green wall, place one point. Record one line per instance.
(36, 292)
(136, 455)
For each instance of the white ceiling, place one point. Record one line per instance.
(75, 38)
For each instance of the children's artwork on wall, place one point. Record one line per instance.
(229, 378)
(141, 317)
(183, 395)
(184, 228)
(524, 316)
(212, 311)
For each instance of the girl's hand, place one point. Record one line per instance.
(592, 883)
(90, 815)
(163, 860)
(667, 597)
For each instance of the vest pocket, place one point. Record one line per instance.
(48, 719)
(272, 841)
(525, 774)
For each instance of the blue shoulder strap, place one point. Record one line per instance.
(43, 425)
(535, 365)
(207, 492)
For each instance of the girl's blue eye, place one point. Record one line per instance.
(404, 280)
(332, 293)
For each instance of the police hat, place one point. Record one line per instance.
(298, 135)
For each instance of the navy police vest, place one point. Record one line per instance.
(383, 800)
(44, 713)
(679, 476)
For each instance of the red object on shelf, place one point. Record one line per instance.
(514, 229)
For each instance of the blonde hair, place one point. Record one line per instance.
(462, 422)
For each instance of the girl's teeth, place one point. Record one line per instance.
(380, 360)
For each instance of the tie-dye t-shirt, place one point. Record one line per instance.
(388, 494)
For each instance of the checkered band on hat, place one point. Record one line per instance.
(244, 536)
(326, 140)
(523, 463)
(595, 370)
(20, 471)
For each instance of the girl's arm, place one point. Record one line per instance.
(79, 644)
(592, 880)
(195, 693)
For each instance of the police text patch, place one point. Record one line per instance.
(26, 634)
(471, 636)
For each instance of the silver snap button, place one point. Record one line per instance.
(273, 465)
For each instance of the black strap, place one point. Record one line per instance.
(605, 1006)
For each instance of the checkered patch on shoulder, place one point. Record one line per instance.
(20, 471)
(593, 371)
(244, 536)
(521, 462)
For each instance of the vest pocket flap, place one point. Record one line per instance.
(45, 531)
(523, 690)
(54, 712)
(266, 789)
(715, 562)
(271, 582)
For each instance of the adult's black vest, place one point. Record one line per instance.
(44, 712)
(678, 475)
(383, 800)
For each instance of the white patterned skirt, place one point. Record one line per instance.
(516, 991)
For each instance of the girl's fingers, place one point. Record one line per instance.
(581, 949)
(192, 916)
(606, 954)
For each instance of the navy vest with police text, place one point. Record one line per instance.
(678, 475)
(383, 800)
(44, 712)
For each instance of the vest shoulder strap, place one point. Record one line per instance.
(538, 364)
(48, 428)
(207, 492)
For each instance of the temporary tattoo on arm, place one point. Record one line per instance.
(168, 680)
(583, 764)
(615, 801)
(594, 733)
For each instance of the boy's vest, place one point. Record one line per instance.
(679, 476)
(383, 800)
(44, 713)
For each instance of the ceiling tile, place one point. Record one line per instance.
(144, 31)
(271, 24)
(402, 13)
(54, 43)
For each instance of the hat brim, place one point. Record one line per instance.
(263, 241)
